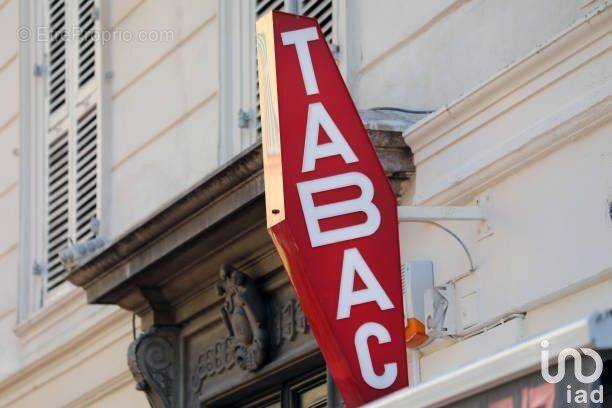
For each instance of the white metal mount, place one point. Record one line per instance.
(409, 213)
(431, 215)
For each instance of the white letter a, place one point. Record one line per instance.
(318, 117)
(373, 292)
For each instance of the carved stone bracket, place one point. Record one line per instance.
(245, 316)
(153, 359)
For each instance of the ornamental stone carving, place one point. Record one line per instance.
(154, 362)
(245, 317)
(212, 361)
(288, 321)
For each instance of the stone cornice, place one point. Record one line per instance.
(218, 183)
(189, 228)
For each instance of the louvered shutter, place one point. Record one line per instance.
(58, 196)
(73, 136)
(87, 173)
(322, 10)
(57, 55)
(86, 42)
(263, 6)
(86, 122)
(57, 142)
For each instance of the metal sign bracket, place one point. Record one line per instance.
(409, 213)
(432, 215)
(431, 310)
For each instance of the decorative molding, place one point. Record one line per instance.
(245, 317)
(153, 359)
(492, 164)
(493, 117)
(287, 321)
(213, 360)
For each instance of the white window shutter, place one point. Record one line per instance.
(57, 55)
(86, 43)
(263, 6)
(58, 195)
(86, 121)
(57, 144)
(322, 10)
(86, 173)
(73, 136)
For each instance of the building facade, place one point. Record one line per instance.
(132, 204)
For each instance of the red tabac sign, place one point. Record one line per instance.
(330, 209)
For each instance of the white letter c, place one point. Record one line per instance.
(389, 375)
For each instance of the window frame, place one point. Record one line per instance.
(287, 393)
(37, 127)
(237, 70)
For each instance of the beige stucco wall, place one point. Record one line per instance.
(164, 106)
(163, 136)
(9, 181)
(425, 56)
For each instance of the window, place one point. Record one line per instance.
(307, 392)
(322, 10)
(240, 120)
(72, 152)
(64, 138)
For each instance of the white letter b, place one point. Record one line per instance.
(363, 203)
